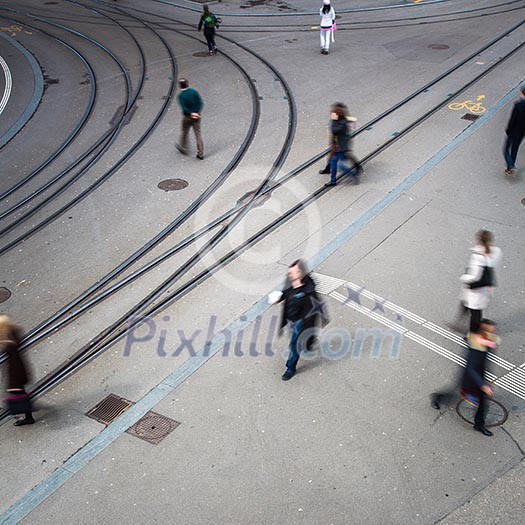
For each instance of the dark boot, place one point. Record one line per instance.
(28, 420)
(434, 400)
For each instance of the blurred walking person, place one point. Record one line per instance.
(17, 376)
(473, 386)
(327, 26)
(191, 104)
(302, 312)
(515, 132)
(210, 23)
(340, 144)
(478, 281)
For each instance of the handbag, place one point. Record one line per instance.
(18, 403)
(487, 279)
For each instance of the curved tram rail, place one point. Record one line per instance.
(147, 307)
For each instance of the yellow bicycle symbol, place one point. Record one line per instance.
(474, 107)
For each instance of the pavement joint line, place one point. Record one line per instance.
(77, 461)
(37, 92)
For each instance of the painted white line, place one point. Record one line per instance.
(513, 381)
(8, 85)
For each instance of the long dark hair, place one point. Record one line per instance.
(206, 10)
(326, 8)
(485, 238)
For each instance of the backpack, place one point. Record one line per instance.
(211, 21)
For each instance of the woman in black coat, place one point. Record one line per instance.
(17, 376)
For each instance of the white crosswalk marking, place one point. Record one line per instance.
(513, 380)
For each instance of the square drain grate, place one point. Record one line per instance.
(153, 428)
(470, 116)
(109, 409)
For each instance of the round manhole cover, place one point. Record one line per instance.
(438, 46)
(172, 184)
(5, 294)
(523, 201)
(201, 54)
(153, 428)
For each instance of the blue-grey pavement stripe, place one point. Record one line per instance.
(37, 92)
(77, 461)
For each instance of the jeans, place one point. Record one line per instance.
(510, 151)
(293, 358)
(210, 40)
(339, 157)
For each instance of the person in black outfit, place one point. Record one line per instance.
(302, 311)
(473, 381)
(210, 23)
(473, 386)
(340, 139)
(17, 376)
(515, 132)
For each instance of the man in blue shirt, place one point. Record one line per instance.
(191, 104)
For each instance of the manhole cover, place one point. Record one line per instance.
(109, 409)
(172, 184)
(438, 46)
(523, 201)
(495, 416)
(153, 428)
(5, 294)
(470, 116)
(201, 54)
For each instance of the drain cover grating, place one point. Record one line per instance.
(470, 116)
(109, 409)
(153, 428)
(201, 54)
(5, 294)
(438, 46)
(172, 184)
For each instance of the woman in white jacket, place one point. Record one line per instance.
(479, 279)
(326, 26)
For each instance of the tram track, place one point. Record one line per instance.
(213, 187)
(78, 127)
(90, 298)
(243, 28)
(149, 308)
(109, 137)
(202, 198)
(342, 25)
(129, 102)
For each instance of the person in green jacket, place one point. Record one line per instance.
(191, 104)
